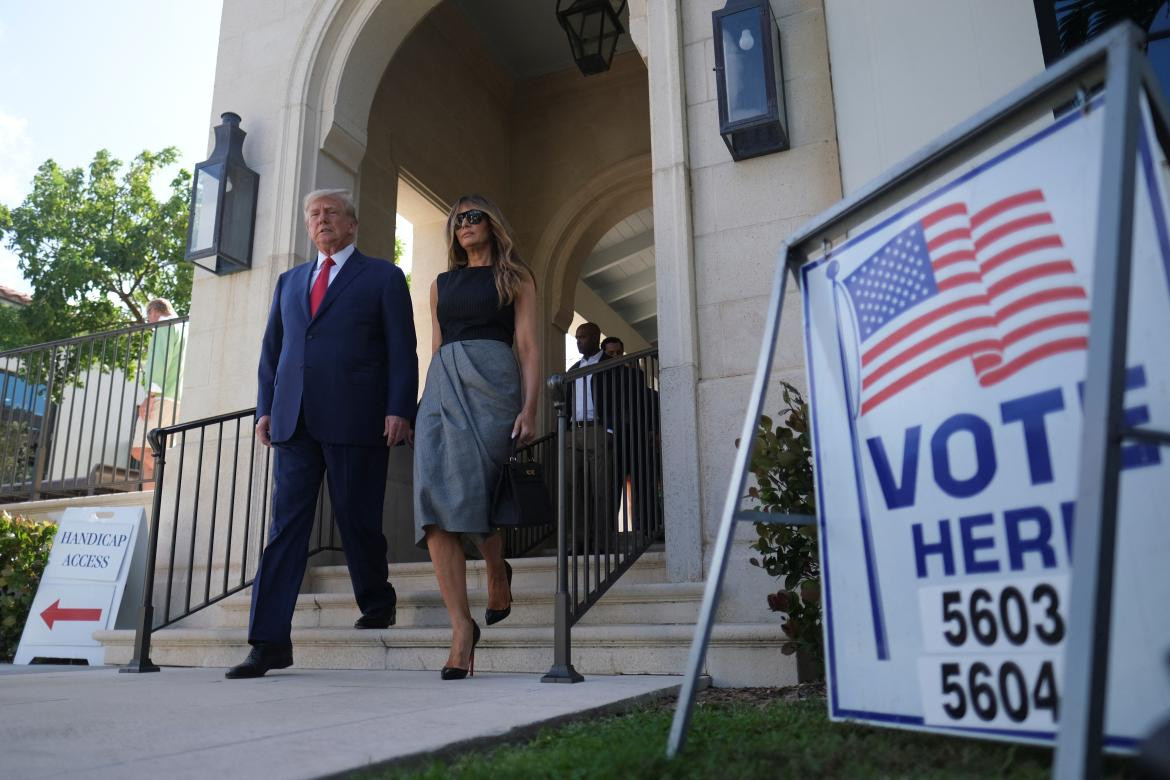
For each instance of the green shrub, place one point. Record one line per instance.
(782, 466)
(24, 551)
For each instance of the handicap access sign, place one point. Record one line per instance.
(92, 582)
(946, 358)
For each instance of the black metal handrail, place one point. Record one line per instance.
(74, 413)
(607, 486)
(609, 476)
(236, 510)
(224, 524)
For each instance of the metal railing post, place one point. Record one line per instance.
(562, 670)
(1081, 729)
(141, 661)
(40, 462)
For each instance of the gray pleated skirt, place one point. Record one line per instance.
(463, 435)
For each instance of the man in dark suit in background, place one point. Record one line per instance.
(628, 406)
(580, 393)
(338, 384)
(588, 451)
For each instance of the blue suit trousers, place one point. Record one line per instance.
(357, 485)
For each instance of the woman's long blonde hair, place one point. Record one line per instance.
(510, 271)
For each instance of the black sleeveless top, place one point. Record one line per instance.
(469, 307)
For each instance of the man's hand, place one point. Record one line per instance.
(395, 430)
(262, 430)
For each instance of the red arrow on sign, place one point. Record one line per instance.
(55, 612)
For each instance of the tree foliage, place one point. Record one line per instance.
(399, 251)
(13, 330)
(97, 245)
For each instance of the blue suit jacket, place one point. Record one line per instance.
(348, 367)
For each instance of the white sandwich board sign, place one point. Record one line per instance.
(946, 350)
(93, 581)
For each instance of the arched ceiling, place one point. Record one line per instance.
(620, 271)
(524, 36)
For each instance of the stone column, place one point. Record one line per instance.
(674, 246)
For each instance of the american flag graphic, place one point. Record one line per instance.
(994, 288)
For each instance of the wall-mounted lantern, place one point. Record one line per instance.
(593, 28)
(752, 119)
(223, 204)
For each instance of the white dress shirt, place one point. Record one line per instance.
(583, 391)
(338, 261)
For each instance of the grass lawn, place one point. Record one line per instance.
(769, 734)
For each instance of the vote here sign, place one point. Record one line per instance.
(946, 358)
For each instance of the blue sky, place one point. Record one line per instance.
(79, 76)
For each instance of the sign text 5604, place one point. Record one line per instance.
(1007, 691)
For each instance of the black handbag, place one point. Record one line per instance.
(520, 499)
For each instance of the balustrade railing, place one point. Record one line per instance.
(209, 521)
(211, 512)
(609, 496)
(74, 413)
(212, 502)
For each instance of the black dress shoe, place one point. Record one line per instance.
(383, 618)
(493, 616)
(260, 660)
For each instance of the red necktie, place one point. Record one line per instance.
(317, 294)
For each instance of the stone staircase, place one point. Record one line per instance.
(643, 625)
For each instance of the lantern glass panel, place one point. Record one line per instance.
(239, 199)
(576, 37)
(206, 209)
(609, 44)
(595, 32)
(743, 66)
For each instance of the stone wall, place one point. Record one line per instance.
(951, 59)
(740, 213)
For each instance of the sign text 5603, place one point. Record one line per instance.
(1027, 615)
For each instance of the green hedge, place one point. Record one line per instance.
(24, 551)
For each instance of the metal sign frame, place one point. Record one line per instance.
(1114, 59)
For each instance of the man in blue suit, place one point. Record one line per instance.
(338, 385)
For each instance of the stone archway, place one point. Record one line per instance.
(341, 61)
(342, 128)
(608, 197)
(342, 53)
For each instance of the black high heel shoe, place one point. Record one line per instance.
(493, 616)
(454, 672)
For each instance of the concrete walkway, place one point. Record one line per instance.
(192, 723)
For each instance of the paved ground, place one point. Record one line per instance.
(179, 723)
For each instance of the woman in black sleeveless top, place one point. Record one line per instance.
(477, 401)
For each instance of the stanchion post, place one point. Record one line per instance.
(141, 661)
(562, 670)
(1086, 649)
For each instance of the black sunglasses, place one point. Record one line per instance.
(473, 217)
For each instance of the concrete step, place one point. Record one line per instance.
(738, 655)
(661, 603)
(527, 573)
